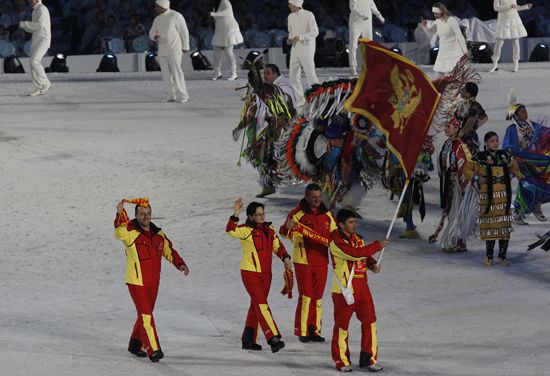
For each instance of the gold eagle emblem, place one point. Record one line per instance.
(405, 98)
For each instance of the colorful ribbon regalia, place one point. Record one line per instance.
(265, 116)
(339, 149)
(329, 145)
(534, 163)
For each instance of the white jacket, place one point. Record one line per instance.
(303, 25)
(226, 29)
(40, 26)
(362, 10)
(284, 84)
(509, 24)
(452, 44)
(172, 30)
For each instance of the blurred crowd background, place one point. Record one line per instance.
(94, 26)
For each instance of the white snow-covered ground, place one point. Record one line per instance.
(67, 157)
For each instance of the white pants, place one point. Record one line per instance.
(218, 60)
(172, 74)
(295, 75)
(362, 29)
(498, 48)
(39, 78)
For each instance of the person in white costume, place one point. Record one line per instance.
(226, 36)
(302, 31)
(508, 27)
(452, 45)
(170, 31)
(40, 27)
(360, 26)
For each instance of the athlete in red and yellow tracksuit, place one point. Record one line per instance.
(144, 252)
(347, 252)
(310, 255)
(259, 241)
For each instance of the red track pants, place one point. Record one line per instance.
(144, 329)
(311, 282)
(257, 285)
(364, 310)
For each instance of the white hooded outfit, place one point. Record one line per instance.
(284, 84)
(226, 35)
(302, 24)
(509, 27)
(39, 26)
(452, 45)
(173, 39)
(360, 25)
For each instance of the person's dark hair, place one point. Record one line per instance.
(488, 135)
(344, 214)
(471, 88)
(140, 206)
(274, 68)
(486, 138)
(251, 208)
(312, 187)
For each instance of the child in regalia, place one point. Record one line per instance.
(491, 170)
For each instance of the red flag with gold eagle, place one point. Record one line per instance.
(398, 98)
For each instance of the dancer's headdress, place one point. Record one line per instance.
(513, 105)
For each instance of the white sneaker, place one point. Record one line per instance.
(374, 368)
(345, 369)
(519, 221)
(184, 100)
(516, 66)
(169, 100)
(540, 216)
(353, 72)
(233, 77)
(36, 93)
(46, 89)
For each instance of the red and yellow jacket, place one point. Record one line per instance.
(144, 251)
(311, 239)
(258, 243)
(349, 251)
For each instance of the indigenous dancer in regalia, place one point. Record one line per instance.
(266, 115)
(491, 170)
(414, 196)
(452, 182)
(471, 116)
(529, 143)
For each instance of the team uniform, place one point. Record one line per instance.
(258, 244)
(144, 251)
(310, 256)
(351, 253)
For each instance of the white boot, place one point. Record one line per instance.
(233, 76)
(495, 66)
(217, 75)
(516, 66)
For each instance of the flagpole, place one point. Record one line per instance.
(394, 218)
